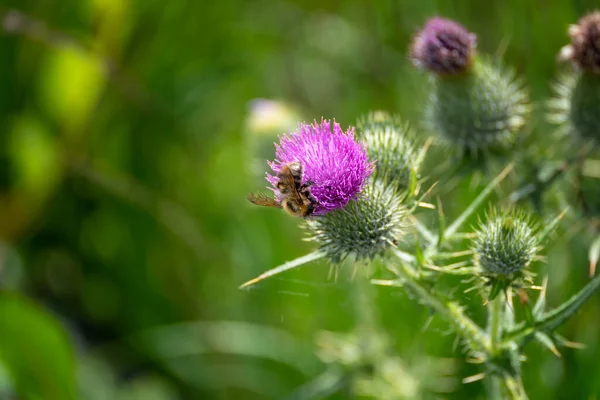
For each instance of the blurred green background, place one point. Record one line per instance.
(130, 131)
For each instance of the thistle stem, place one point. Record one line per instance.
(515, 387)
(448, 310)
(494, 324)
(499, 380)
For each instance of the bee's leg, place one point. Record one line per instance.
(306, 193)
(305, 186)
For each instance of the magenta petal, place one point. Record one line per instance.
(337, 165)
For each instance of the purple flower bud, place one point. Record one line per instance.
(584, 50)
(443, 47)
(334, 164)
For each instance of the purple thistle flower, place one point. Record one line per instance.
(584, 50)
(443, 47)
(335, 164)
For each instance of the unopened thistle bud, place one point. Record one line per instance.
(443, 47)
(390, 143)
(504, 246)
(473, 105)
(366, 228)
(577, 104)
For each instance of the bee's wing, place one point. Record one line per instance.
(288, 180)
(261, 199)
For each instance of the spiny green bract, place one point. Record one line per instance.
(390, 143)
(480, 110)
(506, 244)
(576, 105)
(365, 228)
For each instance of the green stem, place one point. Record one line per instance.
(495, 387)
(515, 387)
(552, 319)
(448, 310)
(495, 324)
(503, 375)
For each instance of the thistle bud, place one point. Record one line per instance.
(366, 228)
(473, 105)
(577, 102)
(504, 246)
(391, 144)
(584, 50)
(443, 47)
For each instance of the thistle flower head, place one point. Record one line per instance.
(391, 144)
(443, 47)
(584, 50)
(335, 165)
(365, 228)
(505, 245)
(577, 95)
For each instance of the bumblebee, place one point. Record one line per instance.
(295, 197)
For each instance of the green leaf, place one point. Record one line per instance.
(35, 349)
(316, 255)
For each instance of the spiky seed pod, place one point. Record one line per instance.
(482, 110)
(366, 228)
(391, 143)
(505, 245)
(576, 105)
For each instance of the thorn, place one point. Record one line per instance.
(574, 345)
(474, 361)
(544, 286)
(474, 378)
(523, 296)
(428, 191)
(251, 282)
(554, 351)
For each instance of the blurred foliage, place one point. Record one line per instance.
(128, 132)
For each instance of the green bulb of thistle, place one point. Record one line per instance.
(474, 105)
(577, 103)
(366, 228)
(391, 144)
(503, 249)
